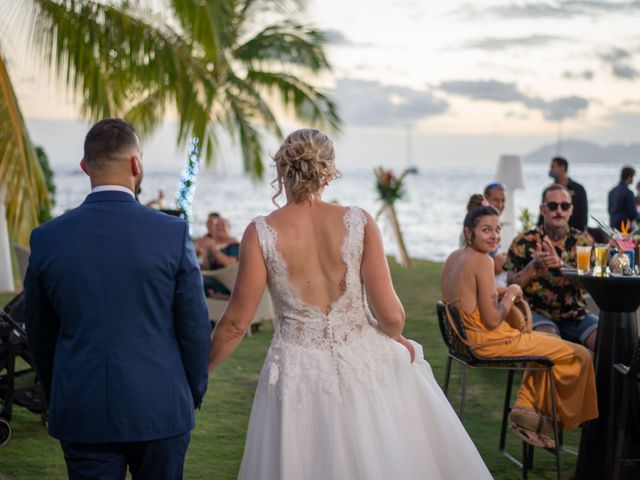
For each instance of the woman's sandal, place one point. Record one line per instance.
(533, 438)
(533, 427)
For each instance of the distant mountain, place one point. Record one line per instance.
(587, 152)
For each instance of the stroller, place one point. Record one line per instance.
(18, 381)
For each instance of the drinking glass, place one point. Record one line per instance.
(583, 254)
(601, 255)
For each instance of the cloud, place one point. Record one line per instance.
(369, 103)
(484, 90)
(501, 92)
(626, 72)
(615, 55)
(502, 43)
(561, 9)
(619, 60)
(516, 115)
(584, 75)
(561, 108)
(336, 37)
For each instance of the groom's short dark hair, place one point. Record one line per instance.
(106, 138)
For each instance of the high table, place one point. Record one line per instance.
(618, 299)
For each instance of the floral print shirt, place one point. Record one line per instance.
(550, 293)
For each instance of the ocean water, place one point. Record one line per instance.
(430, 215)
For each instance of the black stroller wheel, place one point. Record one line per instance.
(5, 431)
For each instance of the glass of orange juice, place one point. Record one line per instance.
(583, 254)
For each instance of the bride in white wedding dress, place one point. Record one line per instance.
(341, 396)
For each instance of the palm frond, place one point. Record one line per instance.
(207, 23)
(306, 102)
(19, 167)
(135, 59)
(145, 113)
(104, 52)
(248, 136)
(288, 43)
(250, 9)
(253, 101)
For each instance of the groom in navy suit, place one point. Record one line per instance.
(117, 322)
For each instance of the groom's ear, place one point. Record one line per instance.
(84, 166)
(136, 169)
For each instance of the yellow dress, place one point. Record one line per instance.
(573, 368)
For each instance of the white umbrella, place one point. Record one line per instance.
(6, 272)
(509, 173)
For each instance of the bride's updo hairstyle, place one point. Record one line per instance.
(304, 163)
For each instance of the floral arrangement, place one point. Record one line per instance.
(389, 187)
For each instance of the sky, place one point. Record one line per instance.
(429, 81)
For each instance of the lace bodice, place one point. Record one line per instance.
(311, 347)
(306, 325)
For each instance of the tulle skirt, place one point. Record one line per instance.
(402, 428)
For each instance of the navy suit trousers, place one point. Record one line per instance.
(161, 459)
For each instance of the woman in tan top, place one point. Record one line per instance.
(468, 283)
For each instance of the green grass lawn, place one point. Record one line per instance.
(217, 442)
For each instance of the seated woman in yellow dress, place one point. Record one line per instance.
(468, 283)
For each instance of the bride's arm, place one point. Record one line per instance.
(377, 282)
(246, 294)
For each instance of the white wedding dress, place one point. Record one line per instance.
(339, 400)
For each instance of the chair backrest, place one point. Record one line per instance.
(634, 366)
(454, 341)
(22, 255)
(226, 275)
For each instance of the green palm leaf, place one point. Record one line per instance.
(288, 43)
(19, 168)
(307, 103)
(213, 62)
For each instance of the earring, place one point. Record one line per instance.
(325, 182)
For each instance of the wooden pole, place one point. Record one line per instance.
(405, 260)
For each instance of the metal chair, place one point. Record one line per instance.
(631, 377)
(459, 350)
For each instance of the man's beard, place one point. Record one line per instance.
(556, 233)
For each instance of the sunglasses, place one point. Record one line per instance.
(554, 206)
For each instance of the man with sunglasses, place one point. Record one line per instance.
(534, 262)
(558, 171)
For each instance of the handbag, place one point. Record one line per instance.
(519, 317)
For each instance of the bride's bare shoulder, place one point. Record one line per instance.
(290, 213)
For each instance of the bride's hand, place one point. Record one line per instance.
(407, 344)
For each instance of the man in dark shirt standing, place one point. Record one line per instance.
(558, 171)
(622, 204)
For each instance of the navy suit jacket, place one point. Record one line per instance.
(117, 322)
